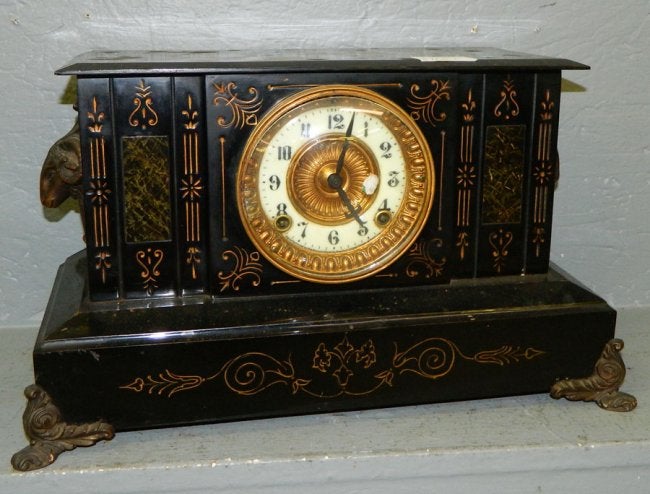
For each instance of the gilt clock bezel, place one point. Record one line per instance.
(371, 256)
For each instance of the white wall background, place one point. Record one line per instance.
(602, 215)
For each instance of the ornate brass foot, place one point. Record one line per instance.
(49, 436)
(602, 386)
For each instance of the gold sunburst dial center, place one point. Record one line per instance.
(309, 175)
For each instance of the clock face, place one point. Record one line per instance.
(334, 184)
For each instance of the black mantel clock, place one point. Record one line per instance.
(302, 232)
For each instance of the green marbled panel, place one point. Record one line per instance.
(503, 173)
(147, 208)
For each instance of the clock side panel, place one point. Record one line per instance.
(544, 172)
(191, 178)
(99, 183)
(465, 171)
(144, 171)
(144, 158)
(504, 173)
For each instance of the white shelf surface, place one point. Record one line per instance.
(518, 445)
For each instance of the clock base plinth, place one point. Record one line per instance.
(144, 364)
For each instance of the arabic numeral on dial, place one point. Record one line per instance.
(335, 121)
(274, 182)
(284, 153)
(363, 231)
(303, 225)
(282, 209)
(333, 237)
(393, 181)
(384, 214)
(386, 147)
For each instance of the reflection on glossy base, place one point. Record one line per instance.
(49, 435)
(602, 386)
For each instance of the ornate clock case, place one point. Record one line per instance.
(303, 232)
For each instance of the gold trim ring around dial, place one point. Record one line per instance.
(314, 163)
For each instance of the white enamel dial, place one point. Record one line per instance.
(335, 183)
(322, 235)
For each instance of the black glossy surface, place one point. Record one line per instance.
(374, 60)
(453, 110)
(183, 364)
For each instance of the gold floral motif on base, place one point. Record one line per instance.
(336, 370)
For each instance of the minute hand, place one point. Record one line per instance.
(334, 180)
(346, 143)
(350, 207)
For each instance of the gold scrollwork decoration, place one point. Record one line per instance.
(150, 261)
(507, 107)
(191, 189)
(602, 387)
(190, 139)
(143, 114)
(96, 118)
(423, 107)
(467, 143)
(507, 354)
(224, 215)
(97, 157)
(543, 172)
(539, 239)
(500, 241)
(348, 369)
(190, 152)
(99, 193)
(419, 256)
(432, 358)
(465, 175)
(341, 356)
(165, 383)
(193, 259)
(462, 242)
(547, 106)
(542, 175)
(49, 435)
(190, 115)
(253, 372)
(191, 186)
(247, 266)
(245, 375)
(441, 181)
(103, 263)
(465, 179)
(469, 107)
(243, 112)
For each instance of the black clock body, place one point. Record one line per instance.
(172, 316)
(162, 136)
